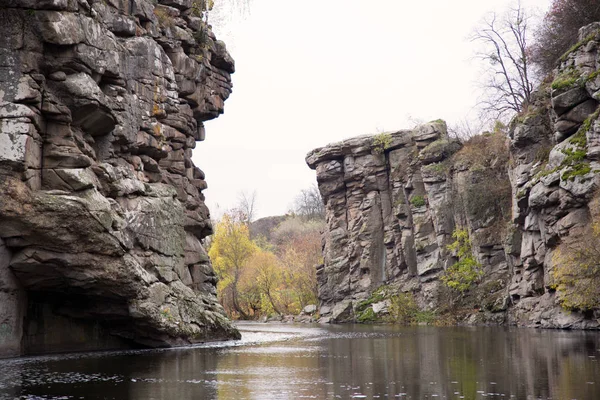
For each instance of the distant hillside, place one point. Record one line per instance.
(265, 226)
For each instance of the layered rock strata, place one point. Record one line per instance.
(102, 214)
(393, 202)
(555, 153)
(391, 213)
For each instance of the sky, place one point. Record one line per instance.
(310, 72)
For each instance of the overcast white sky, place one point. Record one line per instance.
(312, 72)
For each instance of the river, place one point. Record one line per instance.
(285, 361)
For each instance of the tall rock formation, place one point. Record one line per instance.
(555, 153)
(396, 202)
(101, 208)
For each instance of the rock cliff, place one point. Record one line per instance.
(397, 203)
(101, 208)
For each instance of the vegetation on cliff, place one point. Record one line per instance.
(464, 273)
(576, 276)
(558, 32)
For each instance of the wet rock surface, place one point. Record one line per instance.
(102, 214)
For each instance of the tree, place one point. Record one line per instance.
(509, 83)
(268, 277)
(230, 250)
(309, 204)
(559, 30)
(247, 205)
(299, 249)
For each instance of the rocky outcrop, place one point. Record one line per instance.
(102, 214)
(555, 177)
(395, 203)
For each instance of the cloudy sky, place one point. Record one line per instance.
(313, 72)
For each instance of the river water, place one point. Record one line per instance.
(283, 361)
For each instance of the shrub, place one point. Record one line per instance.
(381, 142)
(488, 191)
(577, 273)
(403, 309)
(418, 201)
(484, 151)
(201, 37)
(464, 273)
(366, 316)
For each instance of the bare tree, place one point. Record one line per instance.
(247, 206)
(509, 83)
(465, 128)
(309, 204)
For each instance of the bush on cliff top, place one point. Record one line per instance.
(560, 30)
(381, 142)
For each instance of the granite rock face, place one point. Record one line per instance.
(391, 212)
(555, 155)
(101, 208)
(394, 200)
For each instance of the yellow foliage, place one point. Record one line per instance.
(254, 281)
(577, 271)
(230, 250)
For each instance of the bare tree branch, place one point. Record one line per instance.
(509, 84)
(247, 206)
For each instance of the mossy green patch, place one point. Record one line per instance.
(567, 79)
(578, 45)
(574, 163)
(436, 167)
(579, 169)
(367, 316)
(593, 76)
(418, 201)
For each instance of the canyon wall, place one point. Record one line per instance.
(398, 204)
(102, 214)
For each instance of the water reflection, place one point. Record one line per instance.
(297, 361)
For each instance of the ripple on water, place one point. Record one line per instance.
(290, 361)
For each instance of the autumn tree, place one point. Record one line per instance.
(559, 30)
(230, 250)
(299, 249)
(269, 279)
(504, 49)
